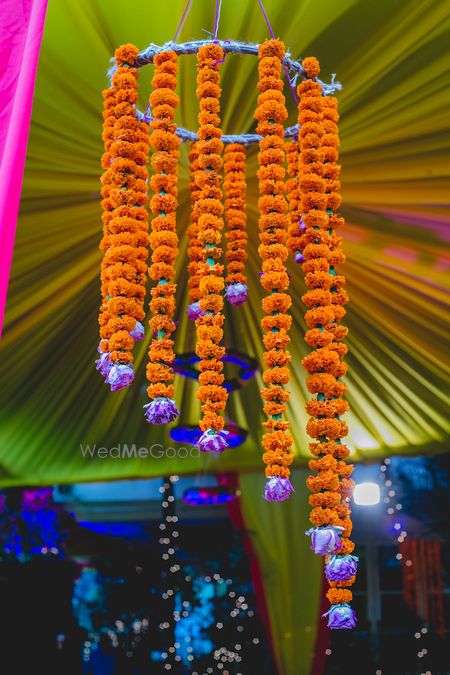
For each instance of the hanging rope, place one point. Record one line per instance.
(182, 20)
(285, 68)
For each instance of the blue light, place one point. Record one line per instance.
(214, 496)
(184, 365)
(189, 434)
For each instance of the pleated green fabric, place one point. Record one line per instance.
(292, 574)
(391, 58)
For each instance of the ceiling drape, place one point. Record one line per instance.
(391, 58)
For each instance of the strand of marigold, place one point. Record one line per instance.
(163, 239)
(325, 299)
(209, 324)
(195, 247)
(296, 226)
(329, 149)
(235, 217)
(273, 224)
(125, 239)
(109, 120)
(107, 180)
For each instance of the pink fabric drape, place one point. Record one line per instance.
(21, 26)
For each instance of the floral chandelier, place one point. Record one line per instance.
(297, 216)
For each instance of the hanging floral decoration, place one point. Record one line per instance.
(273, 225)
(298, 213)
(331, 486)
(236, 221)
(163, 239)
(125, 236)
(211, 391)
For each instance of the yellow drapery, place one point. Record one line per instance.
(292, 574)
(391, 58)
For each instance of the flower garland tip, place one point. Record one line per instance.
(104, 364)
(120, 376)
(278, 489)
(212, 442)
(341, 617)
(161, 411)
(236, 294)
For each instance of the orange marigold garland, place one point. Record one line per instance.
(109, 120)
(125, 239)
(209, 324)
(235, 194)
(273, 224)
(195, 247)
(163, 239)
(325, 299)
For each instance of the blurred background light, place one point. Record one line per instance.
(366, 494)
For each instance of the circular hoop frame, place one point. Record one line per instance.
(147, 56)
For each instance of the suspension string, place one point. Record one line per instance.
(285, 68)
(147, 116)
(182, 20)
(217, 17)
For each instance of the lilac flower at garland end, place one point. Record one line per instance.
(104, 364)
(161, 410)
(278, 489)
(120, 376)
(341, 617)
(209, 441)
(236, 294)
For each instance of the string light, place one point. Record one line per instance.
(392, 492)
(183, 651)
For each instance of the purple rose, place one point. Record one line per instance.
(138, 331)
(325, 540)
(161, 411)
(236, 294)
(120, 375)
(212, 442)
(194, 312)
(341, 567)
(341, 617)
(299, 257)
(103, 364)
(278, 489)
